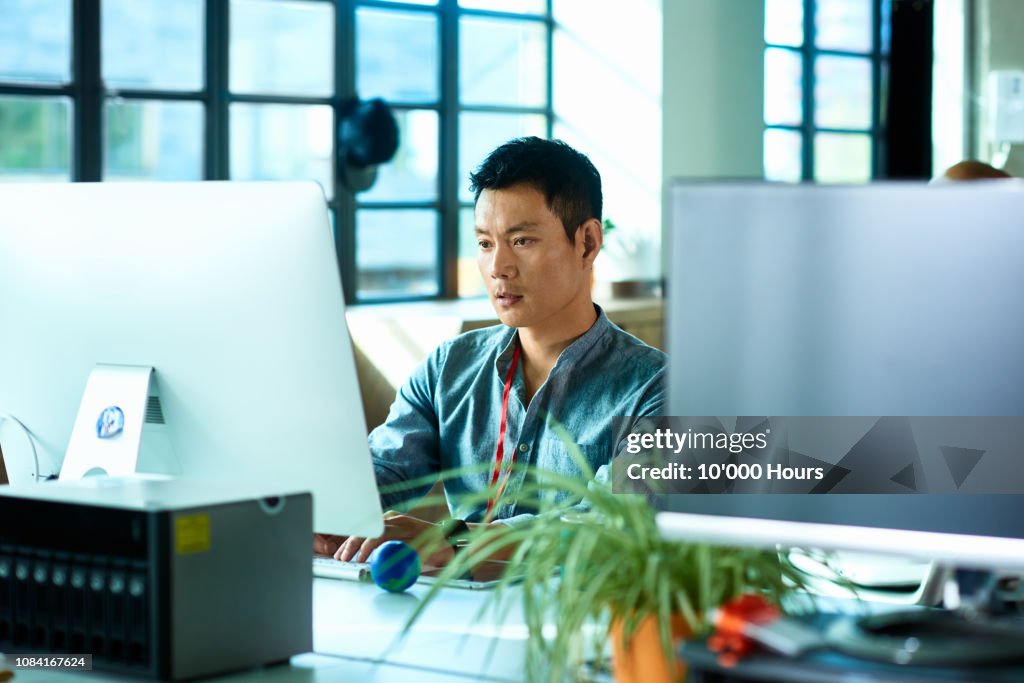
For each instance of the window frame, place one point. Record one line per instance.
(809, 52)
(88, 95)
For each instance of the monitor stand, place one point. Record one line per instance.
(107, 433)
(974, 628)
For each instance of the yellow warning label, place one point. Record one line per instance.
(191, 534)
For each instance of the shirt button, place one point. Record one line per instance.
(523, 448)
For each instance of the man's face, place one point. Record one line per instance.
(530, 268)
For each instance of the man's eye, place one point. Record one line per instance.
(520, 241)
(483, 245)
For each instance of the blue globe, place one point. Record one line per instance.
(395, 566)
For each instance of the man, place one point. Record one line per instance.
(555, 360)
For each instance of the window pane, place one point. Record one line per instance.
(842, 92)
(396, 252)
(843, 25)
(412, 2)
(138, 38)
(783, 87)
(469, 280)
(35, 41)
(397, 55)
(502, 62)
(153, 140)
(282, 142)
(783, 155)
(411, 175)
(842, 158)
(784, 22)
(480, 133)
(36, 135)
(282, 48)
(517, 6)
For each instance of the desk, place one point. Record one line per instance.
(354, 636)
(830, 667)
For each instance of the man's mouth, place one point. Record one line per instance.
(507, 298)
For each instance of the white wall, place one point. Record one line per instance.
(657, 89)
(713, 105)
(949, 108)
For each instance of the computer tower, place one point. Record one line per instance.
(167, 578)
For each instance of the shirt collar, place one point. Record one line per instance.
(572, 353)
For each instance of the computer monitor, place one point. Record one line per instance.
(895, 303)
(230, 291)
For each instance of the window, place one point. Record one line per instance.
(824, 83)
(253, 89)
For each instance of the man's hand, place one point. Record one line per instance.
(327, 544)
(398, 527)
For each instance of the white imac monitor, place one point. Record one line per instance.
(230, 291)
(880, 329)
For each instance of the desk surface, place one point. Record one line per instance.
(831, 667)
(356, 629)
(355, 638)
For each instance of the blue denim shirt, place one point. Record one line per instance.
(447, 414)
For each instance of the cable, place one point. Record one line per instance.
(31, 443)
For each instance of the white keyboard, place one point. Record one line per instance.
(330, 568)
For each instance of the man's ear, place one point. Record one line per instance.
(590, 236)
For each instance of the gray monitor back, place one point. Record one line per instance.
(866, 300)
(879, 300)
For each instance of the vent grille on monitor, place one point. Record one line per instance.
(154, 412)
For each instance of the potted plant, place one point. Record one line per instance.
(630, 261)
(616, 577)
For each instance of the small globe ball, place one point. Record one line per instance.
(395, 566)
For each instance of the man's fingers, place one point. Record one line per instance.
(396, 527)
(369, 545)
(358, 549)
(327, 544)
(347, 550)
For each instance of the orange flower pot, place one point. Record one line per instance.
(642, 659)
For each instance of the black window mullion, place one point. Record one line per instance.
(808, 53)
(171, 95)
(877, 162)
(448, 243)
(216, 133)
(344, 90)
(971, 84)
(549, 110)
(505, 109)
(399, 204)
(33, 90)
(87, 88)
(251, 98)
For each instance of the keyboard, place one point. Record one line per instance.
(330, 568)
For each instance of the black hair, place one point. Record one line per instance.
(567, 179)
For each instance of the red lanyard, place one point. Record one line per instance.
(499, 454)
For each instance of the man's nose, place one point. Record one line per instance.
(502, 262)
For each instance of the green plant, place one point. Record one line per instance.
(611, 563)
(608, 227)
